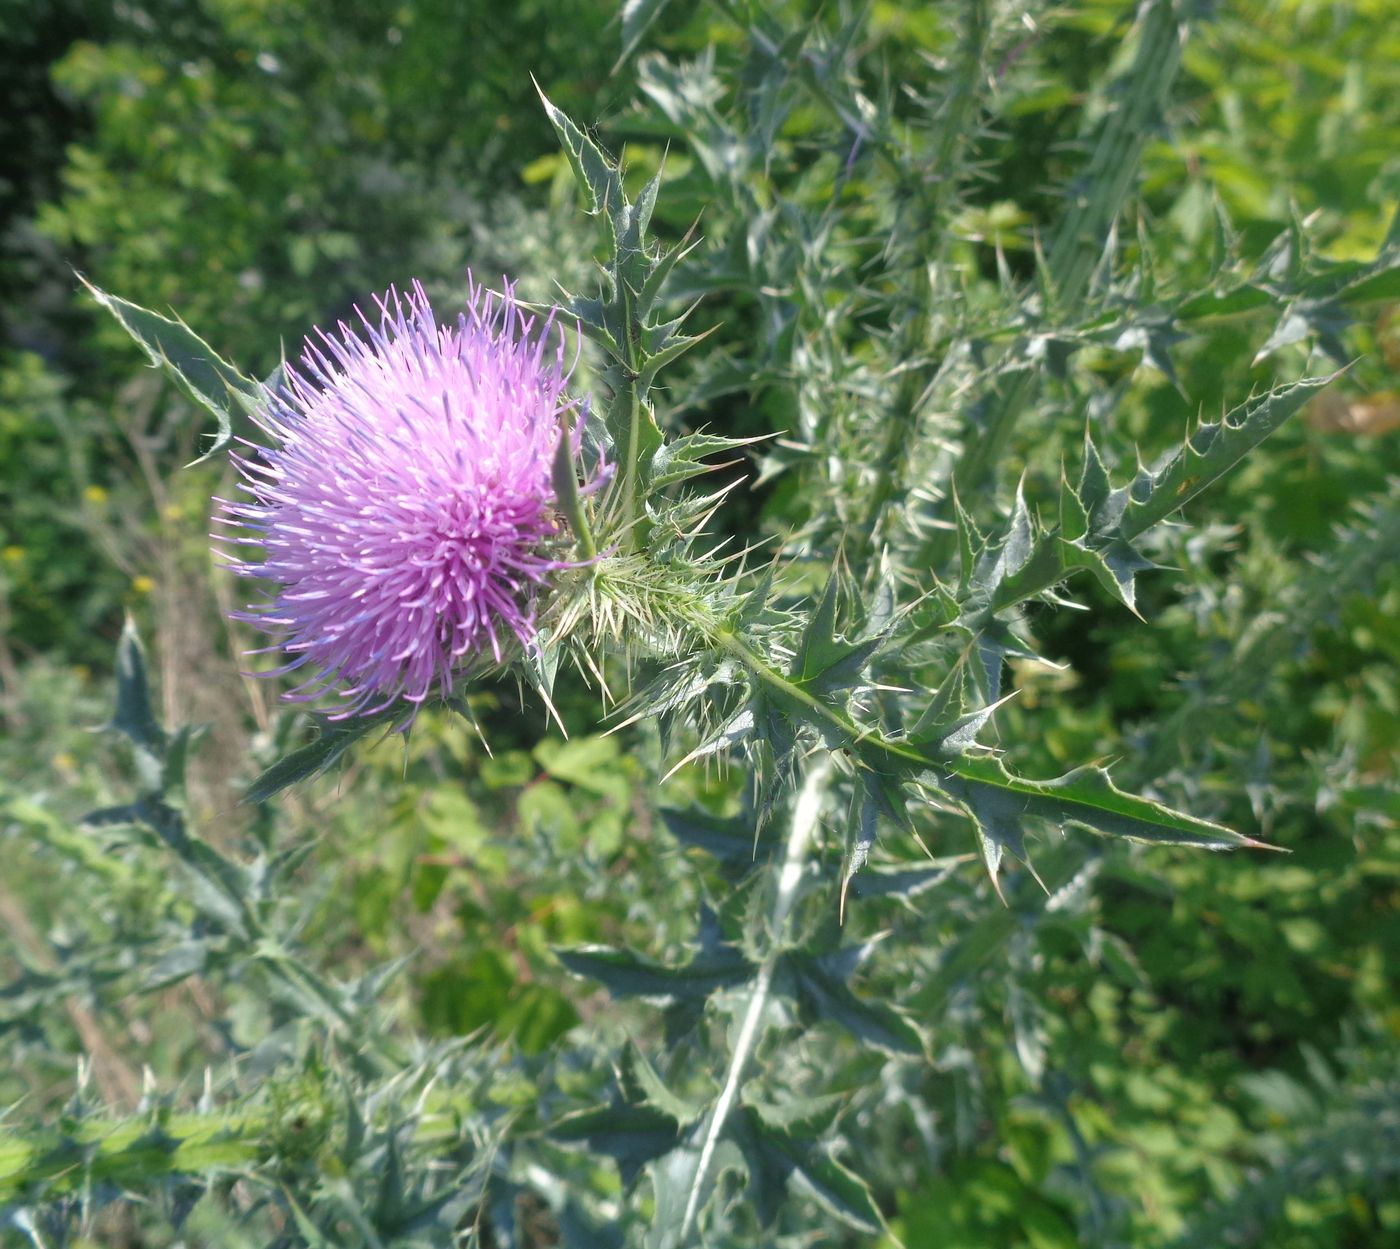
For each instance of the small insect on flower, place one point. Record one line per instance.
(404, 507)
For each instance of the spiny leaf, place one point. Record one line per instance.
(637, 17)
(777, 729)
(1230, 302)
(674, 347)
(755, 605)
(1323, 319)
(947, 704)
(948, 727)
(1096, 493)
(644, 207)
(540, 665)
(625, 974)
(991, 566)
(731, 841)
(660, 270)
(846, 666)
(1074, 513)
(999, 803)
(196, 367)
(994, 642)
(819, 647)
(774, 1154)
(738, 728)
(1380, 282)
(1115, 568)
(630, 223)
(1088, 537)
(812, 1115)
(333, 740)
(629, 1134)
(888, 792)
(1154, 335)
(682, 1189)
(638, 1070)
(905, 883)
(825, 996)
(970, 545)
(859, 842)
(134, 715)
(597, 175)
(1211, 452)
(590, 314)
(684, 458)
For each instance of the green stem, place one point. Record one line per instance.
(955, 129)
(631, 469)
(1079, 240)
(900, 430)
(787, 890)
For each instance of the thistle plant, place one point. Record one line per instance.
(434, 506)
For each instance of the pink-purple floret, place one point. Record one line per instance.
(404, 508)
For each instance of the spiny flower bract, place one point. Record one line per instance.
(405, 507)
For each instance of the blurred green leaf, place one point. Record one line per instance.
(195, 367)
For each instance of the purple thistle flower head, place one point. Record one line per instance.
(405, 507)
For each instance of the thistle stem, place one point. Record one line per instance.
(624, 507)
(1076, 247)
(634, 448)
(805, 815)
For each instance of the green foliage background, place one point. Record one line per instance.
(1174, 1049)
